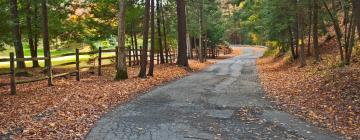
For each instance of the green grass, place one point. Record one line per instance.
(57, 61)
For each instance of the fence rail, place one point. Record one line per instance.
(133, 58)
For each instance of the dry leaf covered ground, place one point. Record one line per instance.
(324, 94)
(69, 109)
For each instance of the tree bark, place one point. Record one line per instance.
(158, 14)
(16, 33)
(143, 62)
(121, 68)
(152, 48)
(337, 28)
(45, 27)
(136, 48)
(315, 30)
(356, 9)
(301, 33)
(182, 56)
(33, 50)
(36, 30)
(310, 27)
(164, 32)
(201, 54)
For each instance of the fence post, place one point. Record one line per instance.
(12, 74)
(77, 65)
(99, 61)
(49, 69)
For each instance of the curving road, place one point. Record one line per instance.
(224, 102)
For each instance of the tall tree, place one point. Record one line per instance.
(45, 28)
(165, 35)
(315, 30)
(158, 14)
(301, 28)
(182, 49)
(16, 33)
(143, 62)
(33, 49)
(356, 8)
(310, 17)
(121, 54)
(152, 48)
(200, 49)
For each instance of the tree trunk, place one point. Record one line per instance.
(136, 48)
(356, 9)
(338, 32)
(33, 50)
(16, 33)
(310, 27)
(143, 62)
(152, 48)
(315, 30)
(201, 55)
(301, 33)
(164, 30)
(45, 27)
(158, 15)
(121, 68)
(182, 56)
(36, 30)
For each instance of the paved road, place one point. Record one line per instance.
(224, 102)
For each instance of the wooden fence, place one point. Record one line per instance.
(133, 58)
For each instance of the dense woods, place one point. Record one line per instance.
(303, 27)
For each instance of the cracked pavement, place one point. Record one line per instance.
(224, 102)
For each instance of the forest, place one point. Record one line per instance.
(119, 50)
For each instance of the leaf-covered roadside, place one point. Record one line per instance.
(325, 95)
(69, 109)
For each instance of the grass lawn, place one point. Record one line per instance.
(57, 61)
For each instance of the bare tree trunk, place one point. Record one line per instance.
(143, 62)
(33, 50)
(136, 48)
(45, 27)
(16, 33)
(200, 33)
(152, 49)
(337, 28)
(158, 15)
(36, 29)
(310, 27)
(356, 10)
(315, 30)
(301, 32)
(164, 30)
(182, 56)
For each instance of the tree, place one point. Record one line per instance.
(16, 33)
(182, 49)
(315, 30)
(121, 68)
(200, 49)
(45, 28)
(164, 31)
(33, 48)
(158, 14)
(143, 62)
(356, 10)
(301, 34)
(152, 48)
